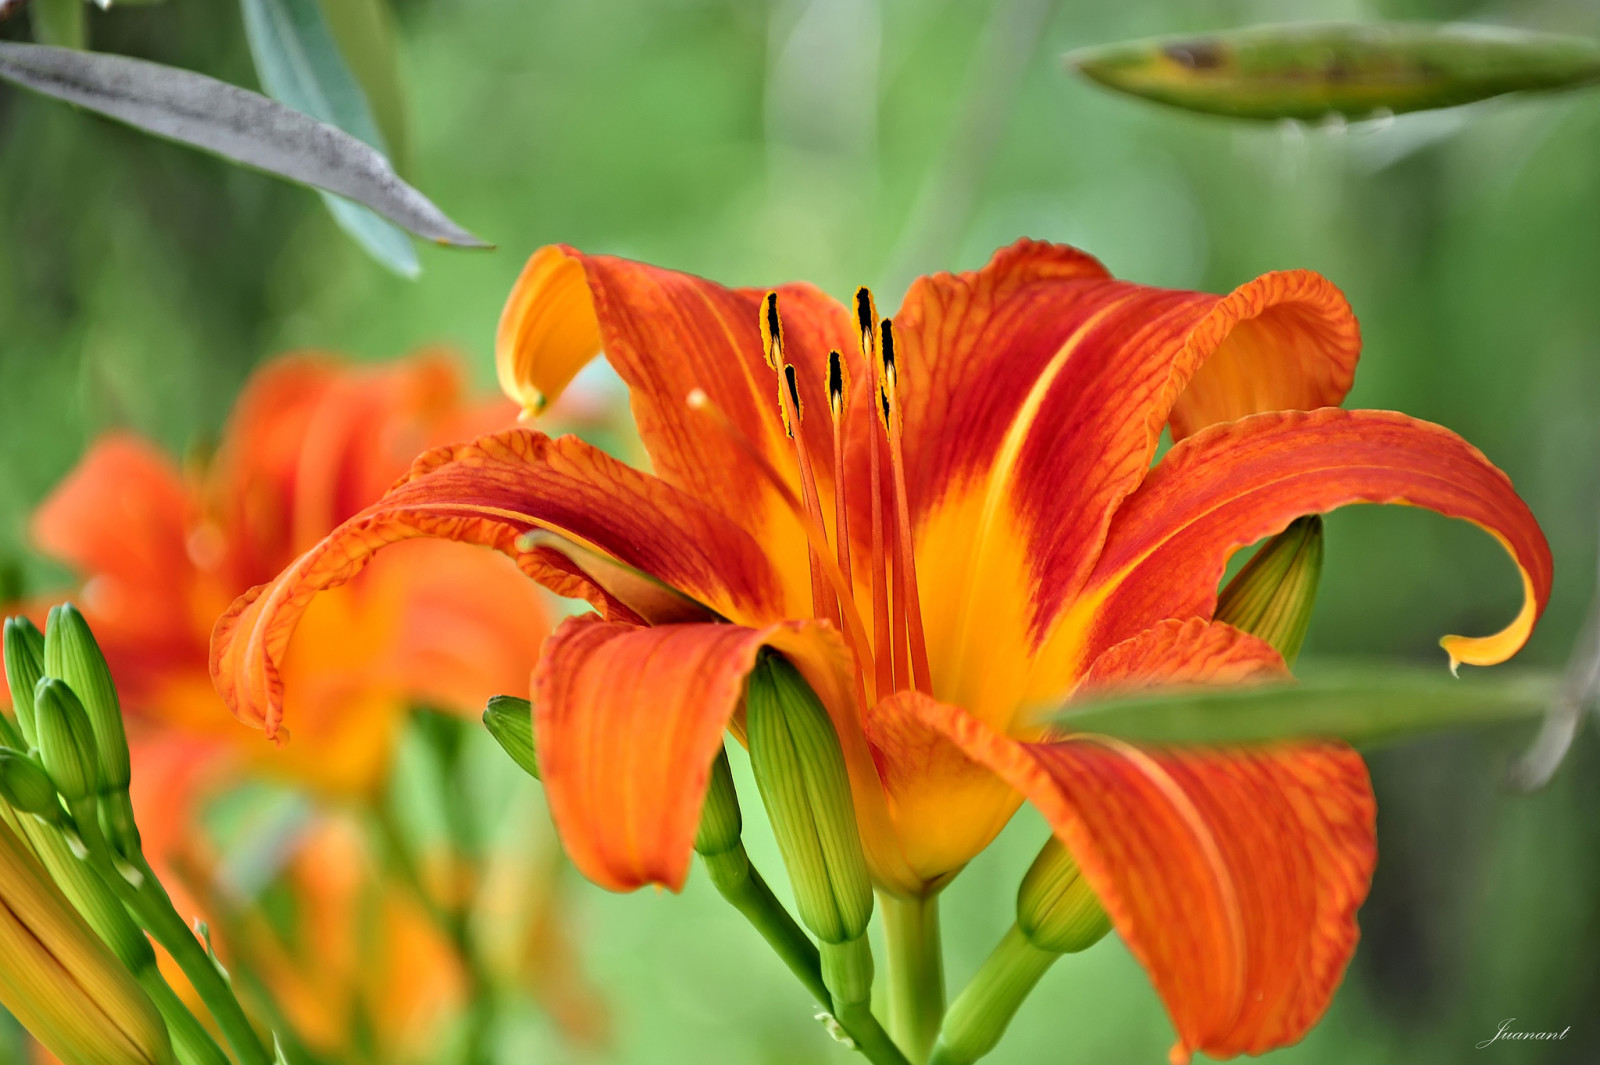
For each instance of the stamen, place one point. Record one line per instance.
(838, 389)
(771, 331)
(789, 406)
(883, 662)
(906, 564)
(855, 632)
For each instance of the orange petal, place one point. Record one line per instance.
(1233, 876)
(489, 493)
(121, 519)
(628, 720)
(1035, 391)
(668, 334)
(1233, 484)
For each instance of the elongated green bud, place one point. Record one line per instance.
(1057, 914)
(720, 820)
(510, 721)
(66, 742)
(27, 787)
(1056, 909)
(1312, 70)
(71, 653)
(800, 770)
(1272, 596)
(24, 650)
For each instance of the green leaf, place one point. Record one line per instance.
(365, 33)
(64, 23)
(1362, 706)
(299, 64)
(1314, 70)
(234, 123)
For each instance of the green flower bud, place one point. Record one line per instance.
(800, 770)
(66, 741)
(27, 787)
(24, 650)
(981, 1013)
(720, 821)
(510, 721)
(1056, 909)
(71, 653)
(1272, 596)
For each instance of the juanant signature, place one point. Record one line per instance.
(1506, 1031)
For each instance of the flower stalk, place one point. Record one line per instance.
(916, 972)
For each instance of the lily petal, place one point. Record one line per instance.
(667, 334)
(122, 515)
(628, 720)
(490, 493)
(1232, 876)
(1230, 485)
(1035, 391)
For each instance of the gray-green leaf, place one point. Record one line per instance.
(235, 123)
(299, 64)
(1362, 706)
(1310, 71)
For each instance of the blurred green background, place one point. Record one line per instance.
(850, 141)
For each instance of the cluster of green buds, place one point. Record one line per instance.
(78, 901)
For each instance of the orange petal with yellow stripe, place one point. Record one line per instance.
(1233, 876)
(491, 492)
(1035, 391)
(1230, 485)
(628, 721)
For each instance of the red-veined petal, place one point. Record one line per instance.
(667, 334)
(1035, 391)
(1233, 876)
(490, 493)
(1233, 484)
(628, 720)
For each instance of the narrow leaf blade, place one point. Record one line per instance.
(1364, 707)
(299, 64)
(1311, 71)
(234, 123)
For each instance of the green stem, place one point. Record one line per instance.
(739, 882)
(916, 972)
(150, 903)
(190, 1040)
(980, 1014)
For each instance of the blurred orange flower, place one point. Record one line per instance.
(163, 550)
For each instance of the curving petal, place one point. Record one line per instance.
(314, 438)
(490, 493)
(1233, 876)
(628, 720)
(1233, 484)
(1035, 391)
(668, 334)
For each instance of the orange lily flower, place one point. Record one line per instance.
(310, 442)
(951, 521)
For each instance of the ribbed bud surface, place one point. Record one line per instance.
(800, 770)
(1056, 909)
(24, 651)
(66, 741)
(71, 653)
(720, 821)
(1273, 595)
(510, 721)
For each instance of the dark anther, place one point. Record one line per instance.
(835, 378)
